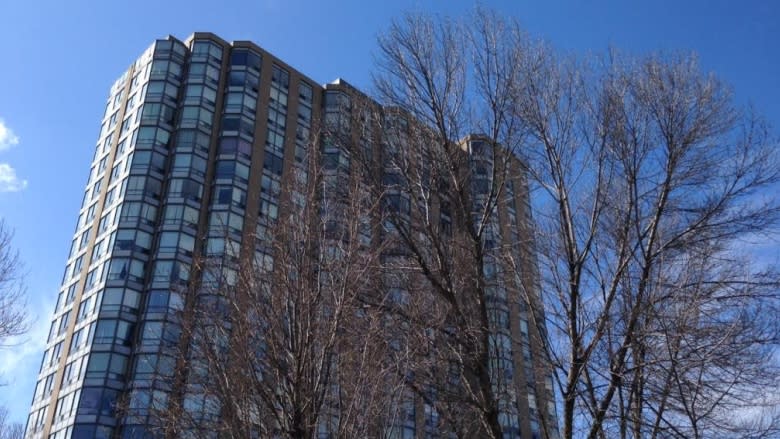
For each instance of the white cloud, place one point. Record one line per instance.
(9, 182)
(7, 136)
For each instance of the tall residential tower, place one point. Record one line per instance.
(196, 152)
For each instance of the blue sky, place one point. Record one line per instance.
(59, 59)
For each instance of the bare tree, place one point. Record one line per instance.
(447, 173)
(13, 313)
(648, 182)
(649, 177)
(9, 430)
(278, 342)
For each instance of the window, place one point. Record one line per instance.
(153, 113)
(245, 57)
(397, 203)
(280, 76)
(336, 100)
(148, 160)
(269, 209)
(78, 339)
(273, 163)
(92, 278)
(197, 93)
(151, 136)
(115, 299)
(126, 125)
(130, 239)
(169, 242)
(101, 165)
(189, 163)
(185, 188)
(71, 294)
(151, 333)
(143, 212)
(161, 69)
(228, 169)
(115, 171)
(77, 266)
(180, 214)
(113, 120)
(237, 79)
(126, 269)
(158, 301)
(270, 184)
(104, 332)
(202, 49)
(278, 98)
(63, 326)
(238, 123)
(96, 189)
(305, 92)
(197, 117)
(304, 114)
(90, 213)
(171, 271)
(233, 145)
(84, 240)
(220, 221)
(238, 102)
(56, 354)
(277, 119)
(105, 221)
(229, 195)
(124, 333)
(72, 370)
(189, 139)
(275, 142)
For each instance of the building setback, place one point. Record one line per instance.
(193, 135)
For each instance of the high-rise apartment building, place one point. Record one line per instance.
(196, 151)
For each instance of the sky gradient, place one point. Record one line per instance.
(59, 59)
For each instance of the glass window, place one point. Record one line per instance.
(168, 242)
(98, 365)
(88, 405)
(245, 57)
(131, 300)
(280, 76)
(104, 332)
(225, 169)
(270, 184)
(117, 366)
(63, 323)
(152, 333)
(205, 48)
(304, 114)
(278, 98)
(158, 301)
(112, 299)
(190, 139)
(185, 188)
(237, 79)
(305, 92)
(269, 209)
(232, 145)
(145, 365)
(273, 163)
(107, 407)
(229, 195)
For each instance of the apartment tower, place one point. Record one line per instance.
(196, 151)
